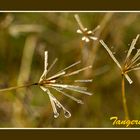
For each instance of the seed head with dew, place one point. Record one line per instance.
(48, 83)
(131, 62)
(53, 82)
(87, 35)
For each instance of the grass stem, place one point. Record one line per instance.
(124, 98)
(17, 87)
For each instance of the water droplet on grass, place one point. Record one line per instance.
(56, 115)
(112, 47)
(80, 102)
(126, 51)
(67, 114)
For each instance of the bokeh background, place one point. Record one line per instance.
(23, 39)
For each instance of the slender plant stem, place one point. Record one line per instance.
(124, 98)
(17, 87)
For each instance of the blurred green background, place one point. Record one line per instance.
(23, 39)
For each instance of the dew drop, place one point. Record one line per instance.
(79, 31)
(67, 114)
(83, 38)
(89, 32)
(80, 102)
(58, 104)
(56, 115)
(112, 47)
(87, 39)
(126, 51)
(85, 29)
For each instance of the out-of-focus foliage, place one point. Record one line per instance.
(56, 32)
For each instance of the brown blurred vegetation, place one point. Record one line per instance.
(23, 39)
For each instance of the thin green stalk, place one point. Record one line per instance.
(124, 98)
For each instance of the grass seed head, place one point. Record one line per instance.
(48, 83)
(130, 63)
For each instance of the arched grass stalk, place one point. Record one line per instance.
(131, 63)
(53, 82)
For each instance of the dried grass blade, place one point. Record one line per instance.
(83, 81)
(137, 65)
(46, 61)
(67, 114)
(56, 75)
(137, 68)
(52, 65)
(72, 88)
(52, 100)
(133, 63)
(128, 78)
(79, 22)
(43, 76)
(69, 96)
(136, 56)
(111, 54)
(77, 71)
(70, 66)
(95, 29)
(132, 46)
